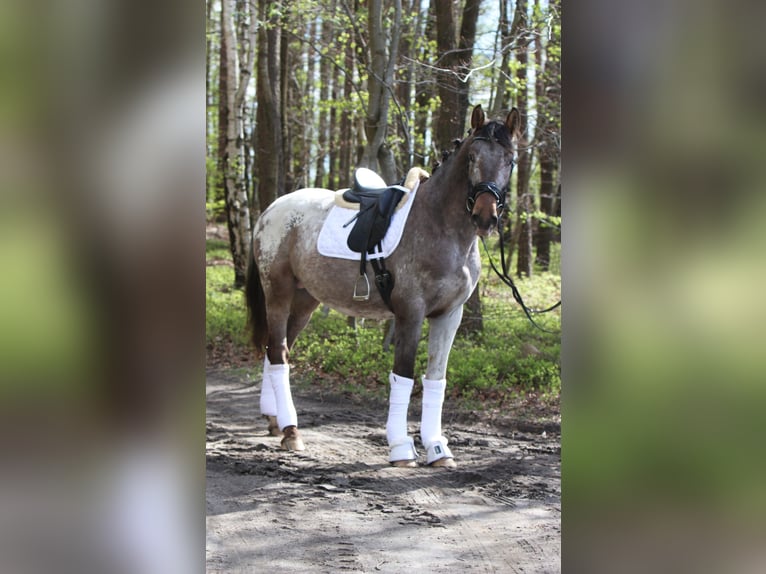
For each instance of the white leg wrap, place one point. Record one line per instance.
(279, 375)
(268, 400)
(437, 450)
(402, 447)
(431, 420)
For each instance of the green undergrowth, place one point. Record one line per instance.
(508, 359)
(225, 313)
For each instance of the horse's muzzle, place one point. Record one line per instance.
(484, 225)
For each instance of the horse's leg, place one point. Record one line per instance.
(279, 292)
(268, 399)
(402, 447)
(440, 338)
(302, 307)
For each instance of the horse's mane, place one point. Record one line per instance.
(494, 131)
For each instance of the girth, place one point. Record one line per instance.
(376, 207)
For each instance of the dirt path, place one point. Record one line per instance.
(339, 506)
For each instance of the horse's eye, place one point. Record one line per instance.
(471, 157)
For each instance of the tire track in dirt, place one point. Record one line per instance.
(339, 506)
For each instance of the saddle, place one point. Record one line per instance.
(377, 203)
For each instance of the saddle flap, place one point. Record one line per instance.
(374, 218)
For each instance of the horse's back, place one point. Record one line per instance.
(301, 212)
(302, 200)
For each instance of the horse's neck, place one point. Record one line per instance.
(446, 194)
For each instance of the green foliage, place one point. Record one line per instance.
(353, 357)
(225, 314)
(215, 210)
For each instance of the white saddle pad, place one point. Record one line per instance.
(333, 237)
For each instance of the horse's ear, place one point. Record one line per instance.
(513, 122)
(477, 117)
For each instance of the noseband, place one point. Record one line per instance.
(487, 187)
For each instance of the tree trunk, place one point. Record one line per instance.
(549, 102)
(523, 232)
(234, 81)
(334, 131)
(285, 64)
(500, 99)
(465, 52)
(210, 127)
(473, 315)
(268, 140)
(380, 80)
(449, 125)
(346, 136)
(323, 127)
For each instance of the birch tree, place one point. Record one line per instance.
(234, 77)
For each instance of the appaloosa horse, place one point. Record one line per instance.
(435, 267)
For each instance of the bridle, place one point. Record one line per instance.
(488, 186)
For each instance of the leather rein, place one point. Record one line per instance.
(499, 194)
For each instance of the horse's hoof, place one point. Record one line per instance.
(273, 426)
(444, 463)
(292, 440)
(404, 463)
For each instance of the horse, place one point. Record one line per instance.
(436, 267)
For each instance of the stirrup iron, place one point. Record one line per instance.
(358, 296)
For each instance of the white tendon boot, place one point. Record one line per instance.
(279, 375)
(286, 415)
(431, 423)
(402, 446)
(268, 400)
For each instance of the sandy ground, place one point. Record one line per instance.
(339, 506)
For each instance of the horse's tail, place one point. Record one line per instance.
(256, 308)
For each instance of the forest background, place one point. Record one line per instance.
(301, 93)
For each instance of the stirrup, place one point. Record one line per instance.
(403, 449)
(362, 296)
(437, 450)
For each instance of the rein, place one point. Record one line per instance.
(505, 278)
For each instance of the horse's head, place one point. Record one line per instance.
(491, 157)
